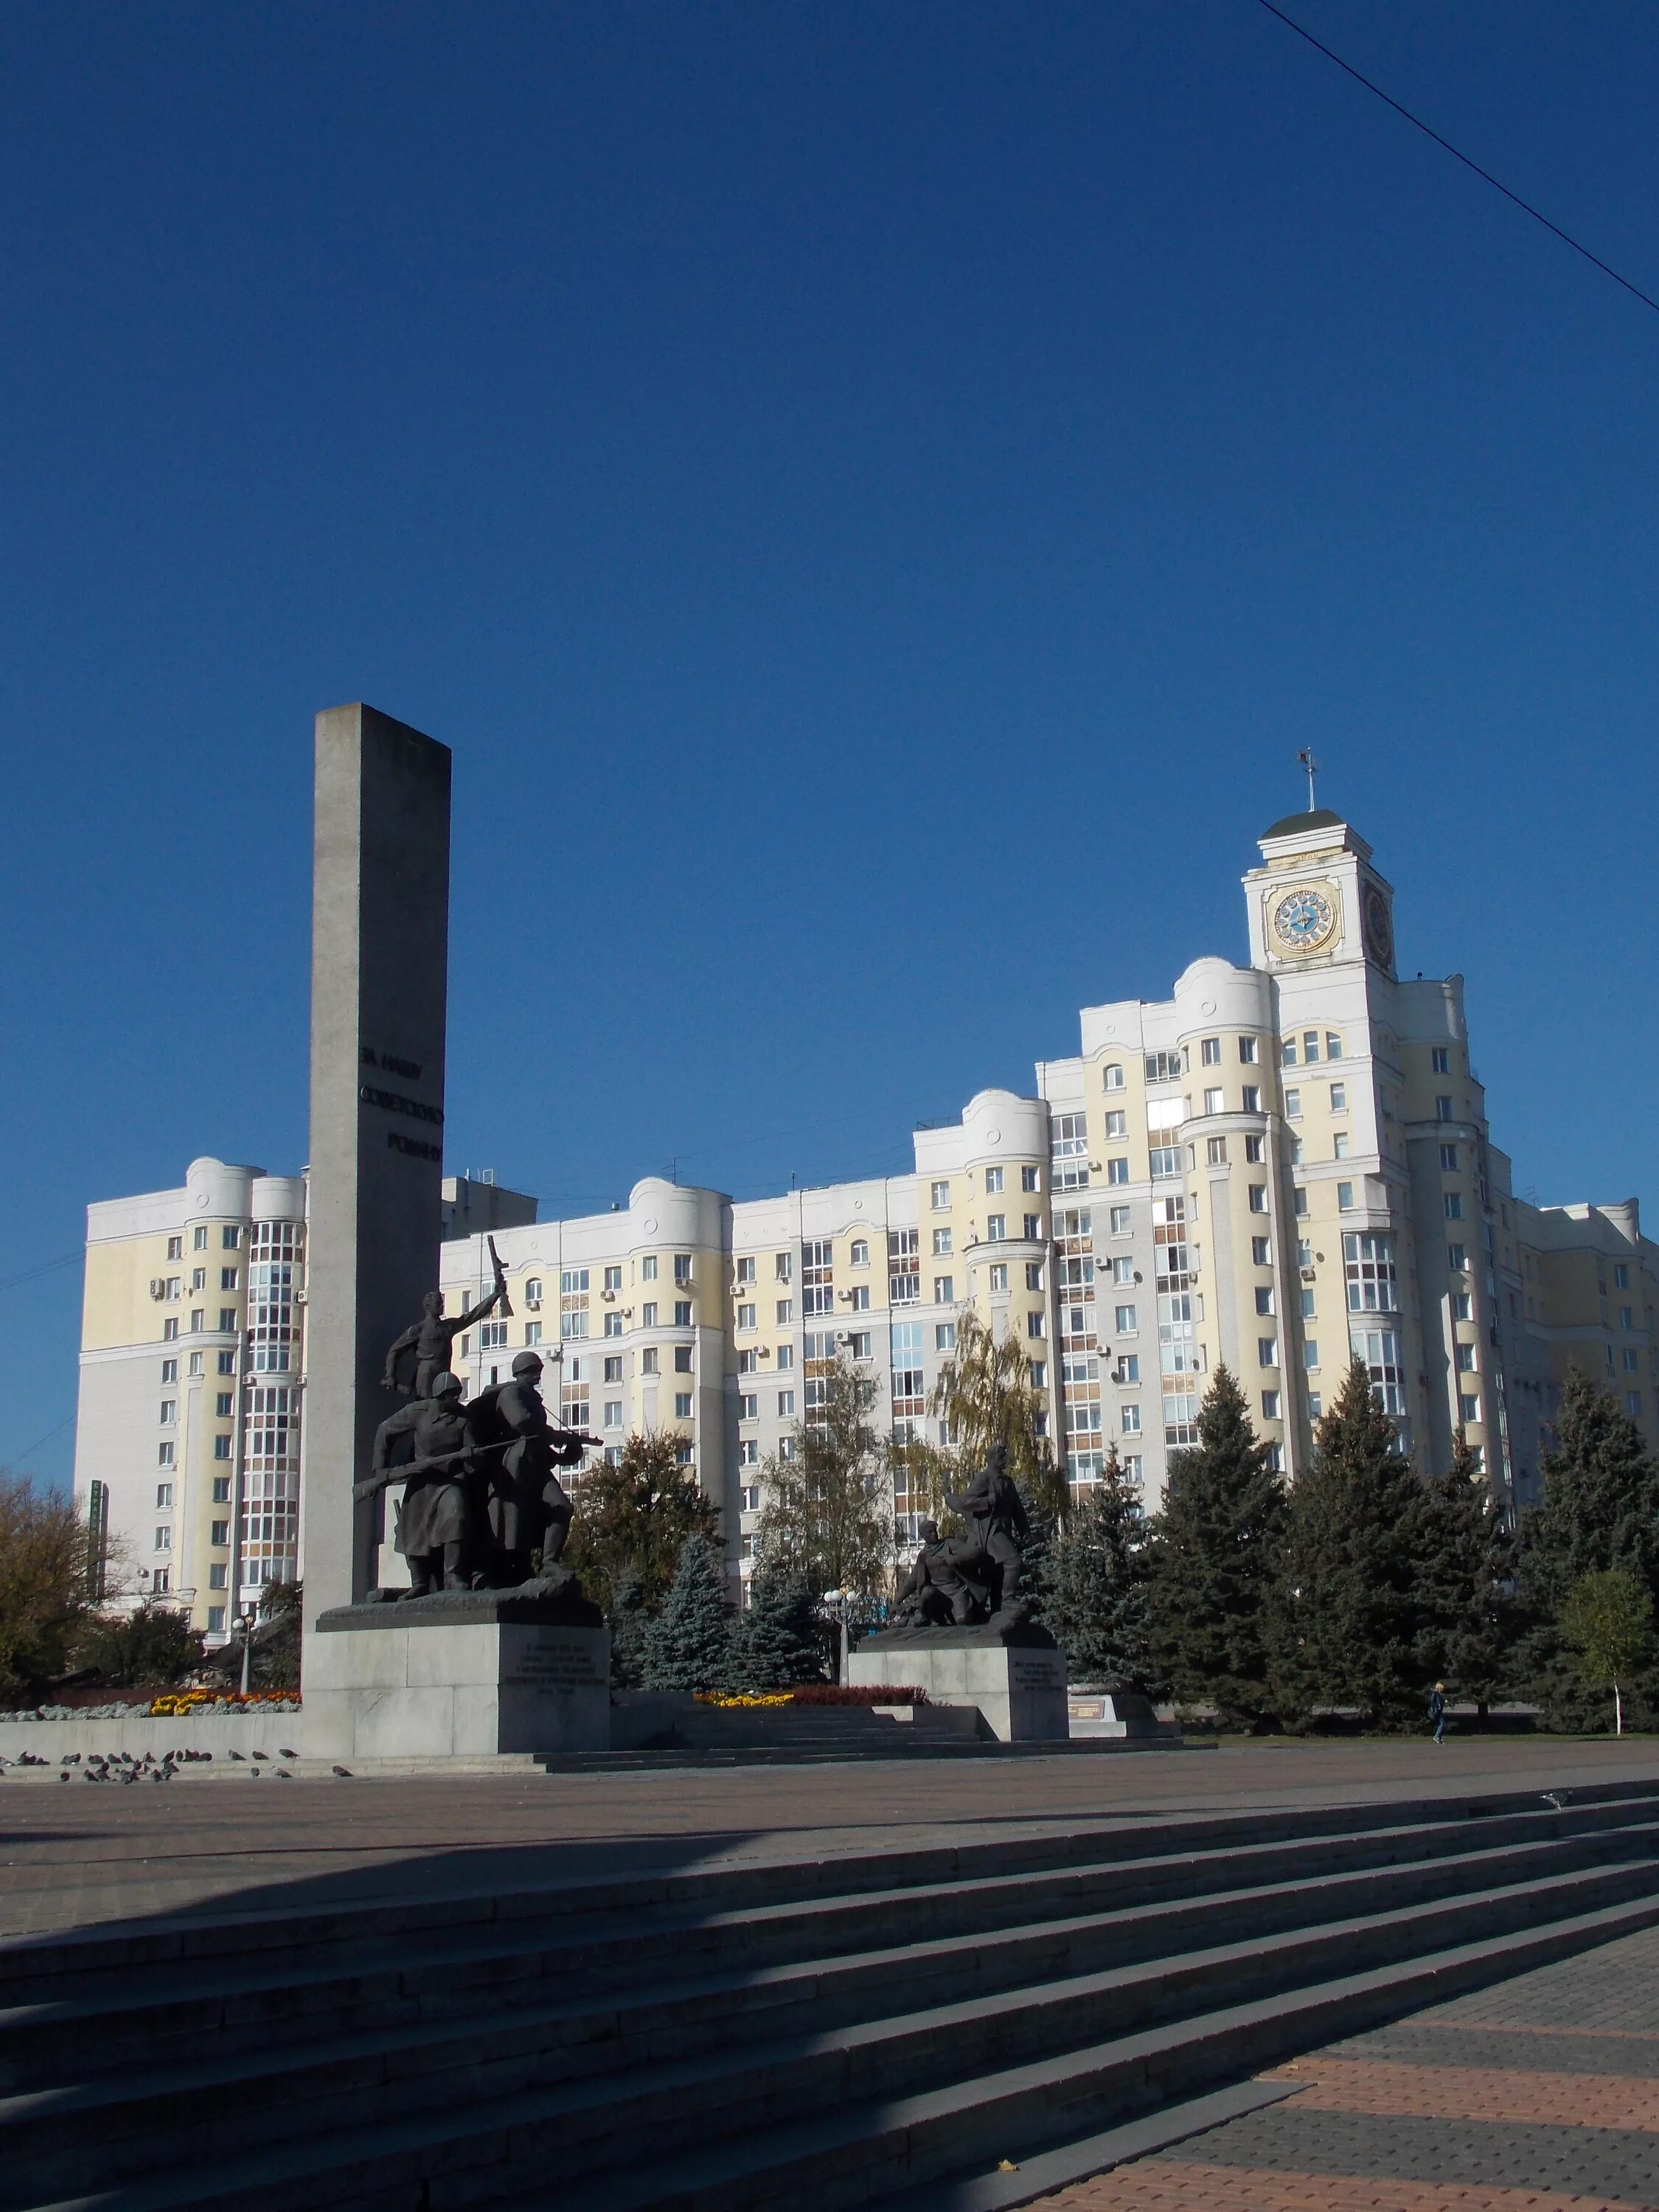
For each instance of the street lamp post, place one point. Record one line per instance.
(839, 1601)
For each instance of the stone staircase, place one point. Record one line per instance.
(819, 2033)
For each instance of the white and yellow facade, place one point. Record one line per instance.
(1283, 1164)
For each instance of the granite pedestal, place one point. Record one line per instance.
(1015, 1676)
(458, 1674)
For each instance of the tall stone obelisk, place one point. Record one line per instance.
(380, 948)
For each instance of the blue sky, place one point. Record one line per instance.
(876, 496)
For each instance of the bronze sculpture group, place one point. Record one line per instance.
(963, 1581)
(483, 1506)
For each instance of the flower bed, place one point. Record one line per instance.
(812, 1693)
(176, 1705)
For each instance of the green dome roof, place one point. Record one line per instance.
(1321, 818)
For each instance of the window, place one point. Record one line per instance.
(219, 1532)
(860, 1252)
(1036, 1324)
(1310, 1352)
(1216, 1152)
(1270, 1405)
(613, 1367)
(227, 1317)
(169, 1413)
(175, 1287)
(1039, 1374)
(786, 1405)
(163, 1539)
(221, 1404)
(198, 1278)
(746, 1270)
(1128, 1321)
(1333, 1045)
(1457, 1258)
(858, 1343)
(198, 1240)
(745, 1363)
(648, 1360)
(1209, 1052)
(175, 1247)
(786, 1313)
(1264, 1298)
(1031, 1178)
(682, 1313)
(1253, 1151)
(1127, 1369)
(1307, 1305)
(1469, 1409)
(1212, 1101)
(1117, 1170)
(1449, 1159)
(1465, 1358)
(492, 1335)
(574, 1280)
(1252, 1098)
(1260, 1252)
(998, 1275)
(222, 1447)
(1119, 1219)
(227, 1364)
(993, 1180)
(938, 1197)
(1287, 1052)
(1339, 1098)
(745, 1316)
(944, 1336)
(1068, 1141)
(1117, 1125)
(1461, 1306)
(1443, 1109)
(1033, 1228)
(160, 1582)
(573, 1325)
(1162, 1067)
(1112, 1076)
(941, 1243)
(1310, 1047)
(169, 1370)
(903, 1267)
(228, 1277)
(1453, 1203)
(166, 1454)
(1633, 1403)
(1627, 1317)
(1128, 1420)
(1340, 1146)
(163, 1496)
(1034, 1275)
(613, 1324)
(682, 1266)
(1440, 1059)
(1258, 1197)
(858, 1297)
(683, 1355)
(1315, 1406)
(749, 1405)
(786, 1357)
(748, 1456)
(648, 1272)
(1631, 1363)
(532, 1333)
(996, 1227)
(783, 1267)
(682, 1405)
(1293, 1105)
(1267, 1352)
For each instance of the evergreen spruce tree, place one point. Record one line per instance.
(629, 1621)
(686, 1645)
(1600, 1511)
(1096, 1586)
(777, 1639)
(1215, 1562)
(1463, 1582)
(1347, 1622)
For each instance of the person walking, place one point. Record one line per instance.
(1438, 1709)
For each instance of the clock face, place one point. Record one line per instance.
(1379, 929)
(1304, 918)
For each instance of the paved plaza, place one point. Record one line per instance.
(71, 1857)
(1541, 2094)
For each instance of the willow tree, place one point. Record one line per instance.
(984, 1396)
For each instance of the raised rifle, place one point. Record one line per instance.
(377, 1481)
(505, 1307)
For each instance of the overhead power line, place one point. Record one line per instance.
(33, 1274)
(1485, 175)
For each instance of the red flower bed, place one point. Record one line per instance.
(865, 1693)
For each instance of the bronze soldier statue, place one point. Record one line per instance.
(527, 1506)
(429, 1339)
(980, 1567)
(434, 1523)
(920, 1602)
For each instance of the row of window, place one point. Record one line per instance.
(229, 1238)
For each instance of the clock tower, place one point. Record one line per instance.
(1316, 902)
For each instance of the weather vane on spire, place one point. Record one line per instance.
(1312, 766)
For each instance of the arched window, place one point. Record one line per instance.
(1112, 1075)
(532, 1291)
(861, 1253)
